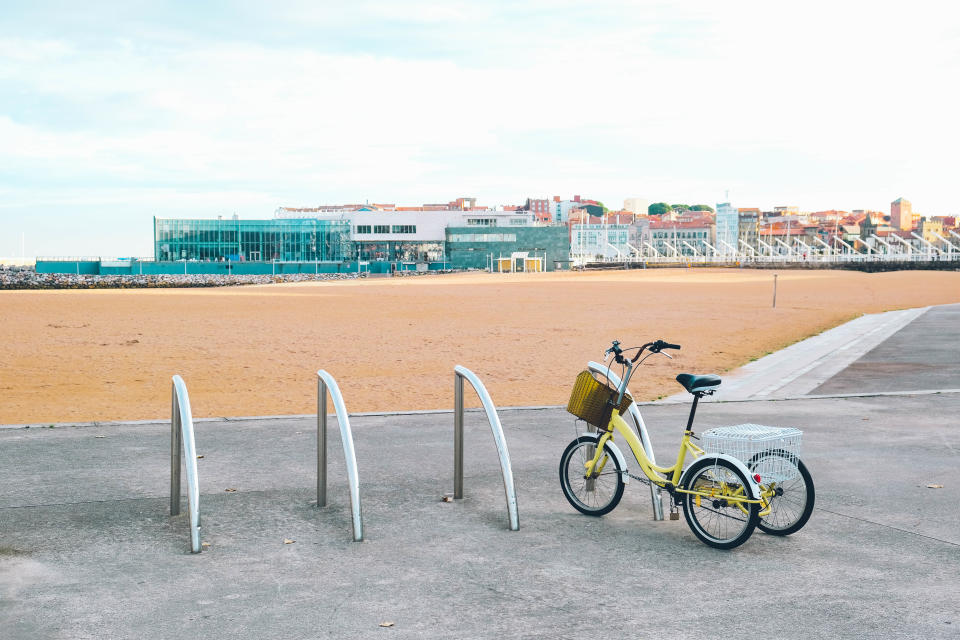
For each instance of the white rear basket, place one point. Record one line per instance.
(772, 452)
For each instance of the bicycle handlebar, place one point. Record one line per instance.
(668, 345)
(654, 347)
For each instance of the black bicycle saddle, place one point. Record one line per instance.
(697, 384)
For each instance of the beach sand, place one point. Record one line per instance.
(99, 355)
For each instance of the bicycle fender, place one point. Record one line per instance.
(751, 483)
(622, 459)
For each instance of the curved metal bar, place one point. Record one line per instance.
(655, 495)
(182, 444)
(325, 382)
(505, 468)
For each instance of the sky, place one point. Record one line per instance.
(113, 113)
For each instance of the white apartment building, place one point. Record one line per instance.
(674, 239)
(415, 236)
(593, 241)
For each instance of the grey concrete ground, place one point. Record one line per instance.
(87, 549)
(802, 367)
(925, 355)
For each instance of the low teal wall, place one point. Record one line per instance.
(82, 267)
(87, 267)
(94, 267)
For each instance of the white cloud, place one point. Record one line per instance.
(508, 101)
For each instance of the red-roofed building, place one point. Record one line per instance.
(832, 214)
(621, 217)
(790, 232)
(540, 208)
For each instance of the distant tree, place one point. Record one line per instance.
(596, 210)
(680, 207)
(659, 208)
(701, 207)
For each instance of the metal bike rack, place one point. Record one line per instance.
(324, 382)
(495, 426)
(182, 445)
(655, 495)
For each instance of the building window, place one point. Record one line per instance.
(404, 228)
(518, 222)
(381, 228)
(481, 222)
(363, 228)
(483, 237)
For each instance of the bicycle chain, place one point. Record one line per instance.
(644, 479)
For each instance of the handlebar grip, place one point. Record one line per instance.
(667, 345)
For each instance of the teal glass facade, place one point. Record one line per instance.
(296, 240)
(476, 247)
(308, 245)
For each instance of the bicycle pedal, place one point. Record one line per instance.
(674, 515)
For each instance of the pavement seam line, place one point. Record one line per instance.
(889, 526)
(313, 416)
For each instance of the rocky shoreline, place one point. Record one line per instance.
(29, 279)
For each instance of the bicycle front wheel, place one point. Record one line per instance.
(601, 491)
(793, 495)
(718, 518)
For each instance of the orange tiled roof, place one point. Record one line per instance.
(795, 230)
(667, 224)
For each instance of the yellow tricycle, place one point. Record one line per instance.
(724, 498)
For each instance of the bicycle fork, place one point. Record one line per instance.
(594, 467)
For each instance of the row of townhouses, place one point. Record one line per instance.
(541, 234)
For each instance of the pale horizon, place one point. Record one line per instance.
(115, 114)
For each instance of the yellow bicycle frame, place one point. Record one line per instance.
(672, 474)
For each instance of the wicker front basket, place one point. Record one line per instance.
(592, 400)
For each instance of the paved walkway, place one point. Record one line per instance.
(88, 550)
(920, 356)
(804, 366)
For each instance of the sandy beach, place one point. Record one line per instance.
(392, 343)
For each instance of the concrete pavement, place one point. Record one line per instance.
(88, 550)
(921, 356)
(802, 367)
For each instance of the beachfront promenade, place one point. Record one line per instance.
(88, 550)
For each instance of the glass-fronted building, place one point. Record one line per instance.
(418, 241)
(478, 247)
(393, 251)
(728, 226)
(285, 240)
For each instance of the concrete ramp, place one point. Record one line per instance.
(804, 366)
